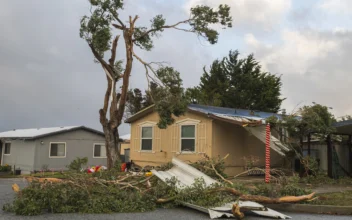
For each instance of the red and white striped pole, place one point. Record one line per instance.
(267, 154)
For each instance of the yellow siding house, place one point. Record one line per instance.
(213, 131)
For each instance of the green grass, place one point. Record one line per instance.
(338, 199)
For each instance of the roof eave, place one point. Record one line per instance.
(140, 114)
(57, 132)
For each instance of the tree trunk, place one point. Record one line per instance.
(112, 147)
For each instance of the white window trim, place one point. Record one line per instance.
(147, 126)
(57, 156)
(195, 138)
(188, 121)
(100, 152)
(7, 142)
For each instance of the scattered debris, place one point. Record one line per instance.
(15, 188)
(187, 175)
(176, 184)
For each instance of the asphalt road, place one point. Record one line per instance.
(6, 195)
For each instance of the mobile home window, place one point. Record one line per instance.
(147, 138)
(188, 138)
(57, 150)
(7, 148)
(99, 150)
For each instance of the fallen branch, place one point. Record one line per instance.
(237, 212)
(42, 180)
(15, 188)
(221, 177)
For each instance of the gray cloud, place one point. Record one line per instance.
(48, 77)
(315, 67)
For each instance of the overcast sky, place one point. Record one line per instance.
(48, 77)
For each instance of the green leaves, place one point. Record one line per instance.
(309, 119)
(238, 83)
(169, 99)
(202, 17)
(96, 28)
(144, 40)
(201, 21)
(158, 22)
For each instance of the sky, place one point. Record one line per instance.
(48, 77)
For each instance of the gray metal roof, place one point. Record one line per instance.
(343, 127)
(33, 133)
(233, 112)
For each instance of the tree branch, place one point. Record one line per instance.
(113, 51)
(147, 65)
(118, 26)
(163, 27)
(101, 60)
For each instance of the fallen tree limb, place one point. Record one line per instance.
(221, 177)
(166, 200)
(15, 188)
(263, 199)
(42, 180)
(237, 212)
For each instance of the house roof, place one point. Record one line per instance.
(241, 116)
(343, 127)
(34, 133)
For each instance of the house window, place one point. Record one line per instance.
(57, 150)
(147, 138)
(188, 138)
(7, 149)
(99, 150)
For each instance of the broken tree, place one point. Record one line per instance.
(111, 191)
(99, 30)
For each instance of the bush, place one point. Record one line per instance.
(5, 168)
(83, 195)
(279, 190)
(76, 165)
(205, 166)
(68, 198)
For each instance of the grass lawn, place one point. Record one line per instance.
(338, 198)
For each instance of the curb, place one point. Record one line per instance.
(313, 209)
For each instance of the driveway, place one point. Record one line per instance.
(6, 195)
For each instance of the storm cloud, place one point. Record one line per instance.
(48, 77)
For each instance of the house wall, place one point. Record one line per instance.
(255, 147)
(238, 143)
(21, 155)
(229, 139)
(166, 142)
(214, 138)
(124, 146)
(79, 143)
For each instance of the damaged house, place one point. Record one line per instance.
(214, 131)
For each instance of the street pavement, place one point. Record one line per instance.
(6, 195)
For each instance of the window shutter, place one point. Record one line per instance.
(137, 139)
(156, 139)
(201, 141)
(175, 136)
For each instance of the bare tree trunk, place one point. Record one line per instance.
(116, 100)
(112, 147)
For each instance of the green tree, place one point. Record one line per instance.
(316, 119)
(102, 30)
(238, 83)
(136, 100)
(346, 118)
